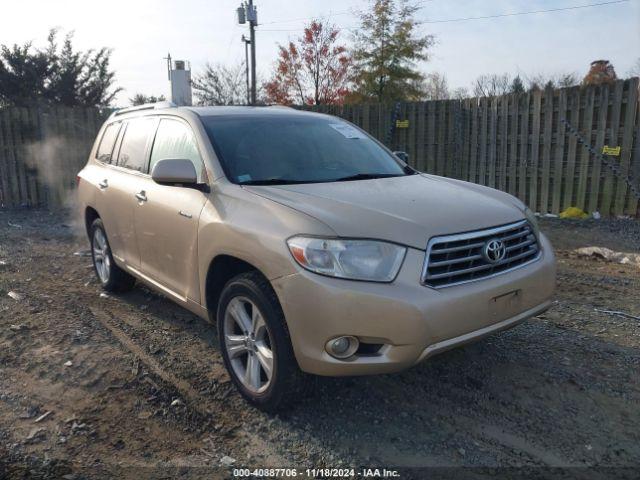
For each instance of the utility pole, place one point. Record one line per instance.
(247, 11)
(246, 42)
(253, 21)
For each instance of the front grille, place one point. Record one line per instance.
(455, 259)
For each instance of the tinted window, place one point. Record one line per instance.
(105, 149)
(175, 140)
(296, 148)
(133, 145)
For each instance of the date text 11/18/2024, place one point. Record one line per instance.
(317, 472)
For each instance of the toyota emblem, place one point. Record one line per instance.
(494, 250)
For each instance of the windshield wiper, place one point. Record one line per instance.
(368, 176)
(276, 181)
(357, 176)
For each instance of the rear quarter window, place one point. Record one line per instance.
(134, 144)
(107, 142)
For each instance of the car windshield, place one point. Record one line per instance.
(280, 149)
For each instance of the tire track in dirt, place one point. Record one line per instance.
(196, 400)
(207, 407)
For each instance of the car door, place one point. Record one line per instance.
(116, 199)
(167, 221)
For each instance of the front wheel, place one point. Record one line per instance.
(255, 343)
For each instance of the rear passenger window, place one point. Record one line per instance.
(134, 142)
(105, 149)
(175, 140)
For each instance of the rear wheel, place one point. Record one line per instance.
(255, 343)
(111, 277)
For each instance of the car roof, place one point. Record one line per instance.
(273, 110)
(163, 108)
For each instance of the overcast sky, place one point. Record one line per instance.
(141, 32)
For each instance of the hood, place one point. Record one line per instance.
(407, 210)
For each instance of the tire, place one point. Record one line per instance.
(111, 277)
(286, 382)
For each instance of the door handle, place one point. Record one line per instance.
(141, 196)
(185, 214)
(103, 184)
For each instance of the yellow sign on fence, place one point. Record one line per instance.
(402, 123)
(613, 151)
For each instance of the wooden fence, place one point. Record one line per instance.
(521, 144)
(41, 150)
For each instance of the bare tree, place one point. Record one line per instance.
(634, 71)
(221, 85)
(558, 80)
(567, 80)
(435, 86)
(492, 85)
(459, 93)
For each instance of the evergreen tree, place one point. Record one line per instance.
(387, 50)
(141, 99)
(56, 76)
(517, 86)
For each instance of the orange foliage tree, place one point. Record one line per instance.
(314, 70)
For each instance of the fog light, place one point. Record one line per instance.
(342, 347)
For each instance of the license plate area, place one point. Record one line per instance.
(506, 304)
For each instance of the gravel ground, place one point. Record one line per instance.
(132, 386)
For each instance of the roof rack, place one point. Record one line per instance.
(146, 106)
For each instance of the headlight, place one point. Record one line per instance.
(533, 221)
(369, 260)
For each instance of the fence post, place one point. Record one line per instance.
(609, 179)
(587, 121)
(558, 177)
(594, 194)
(574, 106)
(513, 146)
(630, 165)
(534, 172)
(546, 151)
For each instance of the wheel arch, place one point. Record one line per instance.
(90, 215)
(223, 268)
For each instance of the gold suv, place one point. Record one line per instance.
(312, 246)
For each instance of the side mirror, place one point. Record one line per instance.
(174, 171)
(404, 156)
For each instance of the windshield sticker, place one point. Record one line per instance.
(244, 178)
(347, 130)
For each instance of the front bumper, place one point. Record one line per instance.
(413, 322)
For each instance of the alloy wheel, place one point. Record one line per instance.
(248, 344)
(101, 258)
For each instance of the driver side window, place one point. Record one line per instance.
(175, 140)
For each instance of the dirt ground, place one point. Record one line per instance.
(96, 386)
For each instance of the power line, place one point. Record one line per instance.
(330, 14)
(550, 10)
(484, 17)
(342, 12)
